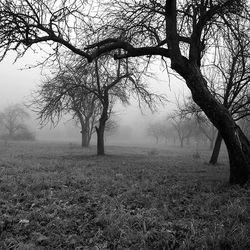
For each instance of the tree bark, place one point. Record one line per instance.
(85, 131)
(102, 122)
(100, 139)
(216, 150)
(85, 138)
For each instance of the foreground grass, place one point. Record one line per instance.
(58, 197)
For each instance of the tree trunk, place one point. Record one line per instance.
(238, 148)
(100, 139)
(216, 150)
(236, 142)
(85, 138)
(102, 122)
(85, 131)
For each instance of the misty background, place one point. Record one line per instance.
(19, 79)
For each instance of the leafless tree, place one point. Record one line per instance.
(154, 130)
(190, 110)
(159, 130)
(89, 91)
(12, 122)
(183, 126)
(182, 31)
(61, 95)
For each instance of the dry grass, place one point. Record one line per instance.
(55, 196)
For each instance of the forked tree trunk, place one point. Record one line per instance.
(236, 142)
(216, 150)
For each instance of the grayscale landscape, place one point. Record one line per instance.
(124, 125)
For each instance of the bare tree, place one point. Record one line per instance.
(12, 122)
(154, 130)
(159, 130)
(182, 125)
(185, 32)
(60, 95)
(89, 91)
(190, 110)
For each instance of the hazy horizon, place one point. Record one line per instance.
(18, 83)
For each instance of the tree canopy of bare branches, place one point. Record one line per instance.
(89, 92)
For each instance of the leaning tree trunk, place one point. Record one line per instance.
(236, 142)
(216, 150)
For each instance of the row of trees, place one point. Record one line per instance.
(195, 128)
(188, 35)
(180, 128)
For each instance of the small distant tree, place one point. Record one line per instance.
(209, 131)
(154, 130)
(158, 130)
(189, 109)
(182, 125)
(12, 121)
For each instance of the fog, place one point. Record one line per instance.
(17, 83)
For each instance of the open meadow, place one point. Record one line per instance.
(60, 196)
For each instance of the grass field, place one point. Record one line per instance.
(59, 196)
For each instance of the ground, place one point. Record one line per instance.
(59, 196)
